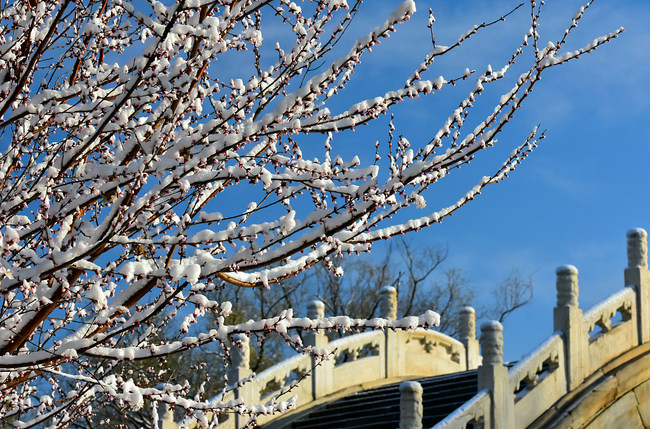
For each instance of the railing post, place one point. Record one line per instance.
(315, 310)
(238, 370)
(167, 420)
(410, 405)
(388, 303)
(239, 359)
(468, 337)
(493, 375)
(567, 317)
(636, 274)
(321, 379)
(393, 352)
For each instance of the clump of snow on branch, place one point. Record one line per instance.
(138, 175)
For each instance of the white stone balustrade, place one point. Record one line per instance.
(367, 358)
(609, 340)
(622, 302)
(514, 398)
(579, 348)
(542, 372)
(357, 359)
(271, 384)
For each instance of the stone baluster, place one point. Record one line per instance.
(388, 303)
(493, 375)
(238, 370)
(567, 317)
(166, 415)
(636, 274)
(315, 310)
(410, 405)
(394, 350)
(239, 360)
(321, 380)
(468, 337)
(492, 343)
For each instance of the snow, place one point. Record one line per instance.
(478, 406)
(492, 325)
(132, 269)
(190, 272)
(552, 347)
(96, 294)
(606, 309)
(569, 269)
(637, 231)
(70, 354)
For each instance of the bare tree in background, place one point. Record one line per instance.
(357, 293)
(415, 273)
(512, 293)
(139, 173)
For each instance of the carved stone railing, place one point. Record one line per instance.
(541, 372)
(355, 361)
(580, 346)
(274, 381)
(507, 398)
(473, 413)
(608, 337)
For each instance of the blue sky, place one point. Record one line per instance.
(574, 198)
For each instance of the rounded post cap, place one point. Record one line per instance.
(492, 325)
(636, 232)
(566, 269)
(241, 337)
(316, 304)
(410, 386)
(387, 289)
(492, 343)
(637, 248)
(315, 309)
(467, 322)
